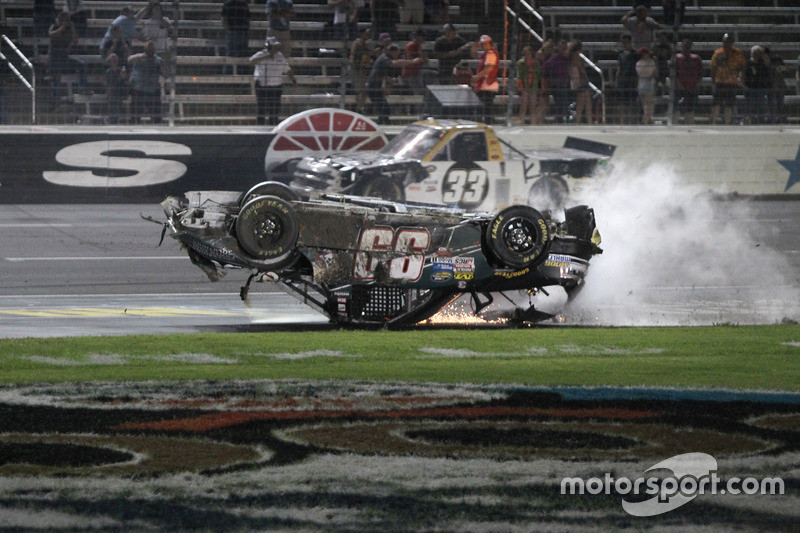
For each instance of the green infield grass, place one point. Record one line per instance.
(725, 356)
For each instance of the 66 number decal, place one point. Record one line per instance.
(410, 242)
(465, 186)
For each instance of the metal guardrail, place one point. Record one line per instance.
(30, 85)
(529, 10)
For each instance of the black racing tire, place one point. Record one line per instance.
(518, 237)
(267, 230)
(383, 188)
(269, 188)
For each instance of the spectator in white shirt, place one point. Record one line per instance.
(270, 68)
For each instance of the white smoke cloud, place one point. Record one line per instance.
(675, 256)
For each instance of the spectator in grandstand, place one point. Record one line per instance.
(662, 54)
(688, 73)
(384, 40)
(437, 11)
(450, 48)
(412, 75)
(757, 79)
(116, 87)
(626, 82)
(556, 74)
(159, 29)
(548, 49)
(144, 71)
(385, 15)
(529, 85)
(640, 26)
(579, 82)
(236, 23)
(381, 78)
(362, 55)
(77, 14)
(346, 14)
(270, 68)
(727, 64)
(127, 21)
(646, 73)
(279, 15)
(412, 12)
(485, 83)
(63, 36)
(117, 45)
(777, 93)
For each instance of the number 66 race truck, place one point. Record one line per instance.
(446, 162)
(369, 261)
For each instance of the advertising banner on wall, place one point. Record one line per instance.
(125, 167)
(105, 166)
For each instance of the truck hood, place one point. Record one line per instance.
(343, 162)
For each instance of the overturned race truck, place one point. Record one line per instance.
(365, 261)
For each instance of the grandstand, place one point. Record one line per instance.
(203, 95)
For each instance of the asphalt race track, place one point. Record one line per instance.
(70, 270)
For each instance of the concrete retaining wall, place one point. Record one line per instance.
(43, 165)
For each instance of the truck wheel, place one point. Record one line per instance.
(267, 229)
(384, 188)
(269, 188)
(518, 237)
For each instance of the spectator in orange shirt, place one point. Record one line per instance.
(727, 66)
(485, 81)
